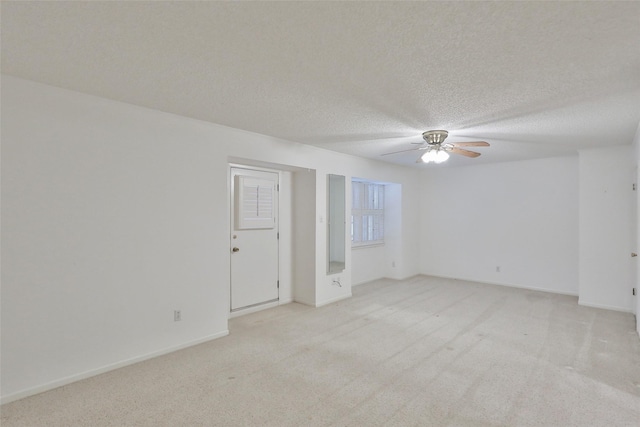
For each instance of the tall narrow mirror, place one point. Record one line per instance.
(336, 215)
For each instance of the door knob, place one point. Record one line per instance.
(633, 254)
(235, 249)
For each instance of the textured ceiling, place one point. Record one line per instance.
(534, 79)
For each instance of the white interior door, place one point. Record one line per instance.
(254, 238)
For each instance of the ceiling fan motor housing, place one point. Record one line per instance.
(435, 137)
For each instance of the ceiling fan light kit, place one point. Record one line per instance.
(435, 155)
(438, 151)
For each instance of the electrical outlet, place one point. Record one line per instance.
(177, 315)
(497, 269)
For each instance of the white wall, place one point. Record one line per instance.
(520, 216)
(108, 226)
(285, 228)
(115, 215)
(605, 228)
(387, 260)
(304, 200)
(402, 224)
(368, 263)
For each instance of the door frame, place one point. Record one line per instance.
(230, 201)
(635, 245)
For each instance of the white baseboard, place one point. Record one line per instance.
(260, 307)
(410, 276)
(532, 288)
(253, 309)
(387, 278)
(304, 301)
(604, 306)
(93, 372)
(509, 285)
(332, 300)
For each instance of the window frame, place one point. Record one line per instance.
(370, 204)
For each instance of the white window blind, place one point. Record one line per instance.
(367, 213)
(254, 203)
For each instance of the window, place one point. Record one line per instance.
(367, 213)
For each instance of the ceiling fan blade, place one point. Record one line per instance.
(463, 152)
(470, 144)
(402, 151)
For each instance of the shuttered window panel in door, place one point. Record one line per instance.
(254, 203)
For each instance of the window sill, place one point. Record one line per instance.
(367, 245)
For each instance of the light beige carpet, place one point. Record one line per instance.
(420, 352)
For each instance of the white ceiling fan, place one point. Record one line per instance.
(438, 151)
